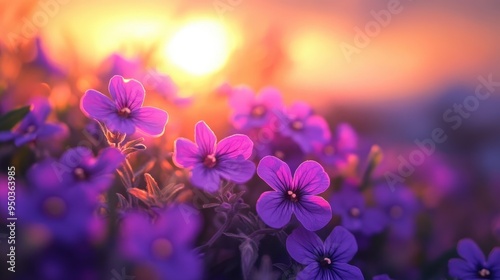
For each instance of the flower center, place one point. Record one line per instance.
(210, 161)
(124, 112)
(258, 111)
(292, 196)
(329, 150)
(484, 272)
(326, 261)
(80, 174)
(30, 129)
(355, 212)
(54, 206)
(396, 212)
(297, 125)
(279, 154)
(161, 248)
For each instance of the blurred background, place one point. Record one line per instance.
(391, 69)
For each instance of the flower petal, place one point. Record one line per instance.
(185, 153)
(76, 156)
(341, 244)
(275, 173)
(271, 97)
(299, 110)
(273, 209)
(116, 123)
(205, 178)
(347, 140)
(494, 261)
(317, 130)
(96, 105)
(205, 138)
(312, 271)
(40, 109)
(46, 174)
(25, 138)
(234, 146)
(311, 178)
(6, 136)
(239, 171)
(150, 120)
(52, 130)
(313, 212)
(108, 161)
(469, 250)
(242, 99)
(127, 93)
(304, 246)
(461, 269)
(342, 271)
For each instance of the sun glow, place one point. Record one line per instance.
(199, 48)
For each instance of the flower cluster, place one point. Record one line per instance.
(113, 192)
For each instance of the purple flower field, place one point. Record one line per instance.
(127, 171)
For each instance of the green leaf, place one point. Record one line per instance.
(9, 120)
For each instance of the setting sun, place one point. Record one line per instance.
(199, 48)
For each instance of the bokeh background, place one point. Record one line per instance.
(393, 90)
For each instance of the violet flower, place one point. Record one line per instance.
(210, 161)
(339, 147)
(124, 112)
(400, 207)
(59, 213)
(473, 264)
(324, 260)
(297, 195)
(33, 126)
(304, 127)
(254, 111)
(78, 168)
(165, 244)
(350, 205)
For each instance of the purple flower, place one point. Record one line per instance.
(210, 161)
(251, 111)
(165, 244)
(297, 195)
(356, 216)
(124, 113)
(281, 147)
(473, 264)
(78, 168)
(340, 147)
(304, 127)
(324, 261)
(33, 126)
(59, 213)
(400, 207)
(151, 79)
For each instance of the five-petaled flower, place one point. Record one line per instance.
(400, 207)
(165, 244)
(251, 111)
(324, 260)
(78, 168)
(210, 161)
(125, 112)
(304, 127)
(34, 126)
(297, 195)
(473, 264)
(350, 205)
